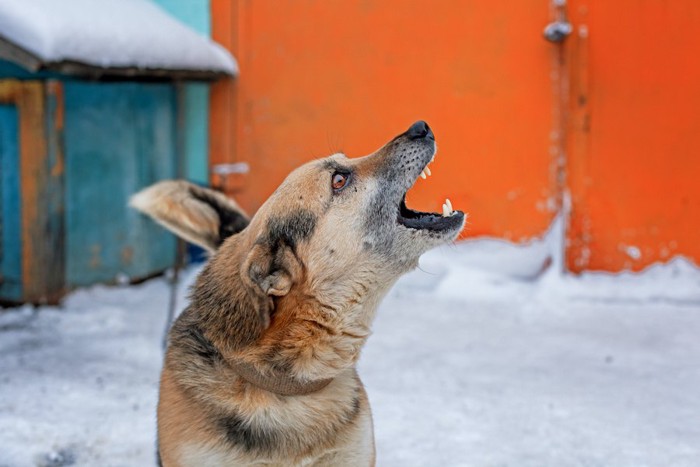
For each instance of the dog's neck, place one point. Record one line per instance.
(307, 344)
(307, 340)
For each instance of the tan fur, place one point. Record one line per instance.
(292, 294)
(173, 205)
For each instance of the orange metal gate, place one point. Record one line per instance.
(609, 110)
(634, 160)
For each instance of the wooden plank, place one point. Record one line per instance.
(41, 234)
(54, 257)
(8, 91)
(41, 247)
(16, 54)
(30, 101)
(196, 102)
(10, 207)
(119, 137)
(156, 131)
(197, 15)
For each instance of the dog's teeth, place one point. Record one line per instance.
(427, 170)
(423, 175)
(447, 210)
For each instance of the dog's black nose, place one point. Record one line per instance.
(420, 129)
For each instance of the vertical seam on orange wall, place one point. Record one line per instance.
(578, 232)
(559, 74)
(221, 129)
(559, 136)
(235, 95)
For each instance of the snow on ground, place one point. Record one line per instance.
(475, 361)
(110, 33)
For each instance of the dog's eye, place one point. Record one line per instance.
(339, 180)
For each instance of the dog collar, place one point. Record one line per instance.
(281, 384)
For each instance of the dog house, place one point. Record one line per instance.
(93, 107)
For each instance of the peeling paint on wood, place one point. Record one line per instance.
(41, 264)
(119, 137)
(10, 215)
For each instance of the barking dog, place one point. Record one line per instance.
(260, 368)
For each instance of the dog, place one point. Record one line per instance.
(260, 368)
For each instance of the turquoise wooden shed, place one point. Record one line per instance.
(93, 107)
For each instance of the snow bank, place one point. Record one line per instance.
(477, 359)
(110, 33)
(491, 267)
(79, 383)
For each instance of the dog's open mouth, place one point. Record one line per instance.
(429, 220)
(448, 220)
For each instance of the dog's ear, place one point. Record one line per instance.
(268, 273)
(273, 265)
(271, 270)
(200, 215)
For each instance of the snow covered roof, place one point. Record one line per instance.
(107, 38)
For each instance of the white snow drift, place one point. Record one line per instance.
(475, 361)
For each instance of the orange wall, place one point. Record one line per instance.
(609, 116)
(635, 161)
(319, 77)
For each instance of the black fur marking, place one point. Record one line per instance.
(290, 229)
(250, 438)
(213, 309)
(230, 221)
(282, 232)
(351, 414)
(335, 166)
(193, 339)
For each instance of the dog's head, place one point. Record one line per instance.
(346, 214)
(337, 229)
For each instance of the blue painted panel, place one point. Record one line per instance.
(119, 137)
(197, 133)
(10, 217)
(197, 15)
(194, 13)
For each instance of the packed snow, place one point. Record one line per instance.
(109, 33)
(482, 357)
